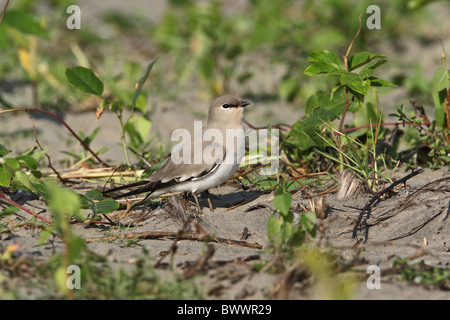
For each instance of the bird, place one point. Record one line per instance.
(222, 148)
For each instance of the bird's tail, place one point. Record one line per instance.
(145, 188)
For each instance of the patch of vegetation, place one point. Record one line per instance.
(21, 277)
(420, 273)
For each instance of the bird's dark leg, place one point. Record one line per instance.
(206, 192)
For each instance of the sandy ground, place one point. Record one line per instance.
(411, 223)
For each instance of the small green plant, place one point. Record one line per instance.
(12, 169)
(356, 84)
(441, 97)
(366, 160)
(64, 204)
(353, 80)
(284, 234)
(100, 280)
(430, 141)
(136, 126)
(94, 200)
(83, 156)
(348, 94)
(293, 243)
(431, 138)
(420, 272)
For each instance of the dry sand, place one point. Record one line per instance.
(411, 223)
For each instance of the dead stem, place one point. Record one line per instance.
(65, 124)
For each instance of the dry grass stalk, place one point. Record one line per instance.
(350, 185)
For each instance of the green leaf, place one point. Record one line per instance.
(368, 70)
(94, 194)
(7, 211)
(85, 80)
(314, 124)
(12, 164)
(141, 103)
(63, 203)
(106, 206)
(138, 128)
(304, 133)
(21, 181)
(76, 244)
(5, 176)
(61, 279)
(27, 162)
(440, 87)
(116, 107)
(322, 99)
(7, 171)
(298, 237)
(3, 38)
(91, 137)
(273, 226)
(36, 155)
(337, 88)
(3, 151)
(94, 200)
(361, 58)
(376, 82)
(25, 22)
(36, 173)
(366, 73)
(308, 220)
(354, 82)
(359, 96)
(43, 190)
(286, 232)
(29, 151)
(282, 202)
(141, 83)
(299, 138)
(337, 73)
(323, 61)
(325, 56)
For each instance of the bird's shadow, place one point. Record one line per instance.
(229, 200)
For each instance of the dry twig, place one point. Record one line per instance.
(368, 207)
(176, 235)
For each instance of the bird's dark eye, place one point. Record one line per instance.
(225, 106)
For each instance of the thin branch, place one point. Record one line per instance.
(276, 126)
(367, 208)
(375, 125)
(341, 123)
(65, 124)
(415, 229)
(177, 235)
(42, 149)
(5, 198)
(4, 10)
(445, 217)
(200, 263)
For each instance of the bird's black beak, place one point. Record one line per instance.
(244, 103)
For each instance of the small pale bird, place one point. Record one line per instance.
(207, 162)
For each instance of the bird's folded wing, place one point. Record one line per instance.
(213, 154)
(170, 173)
